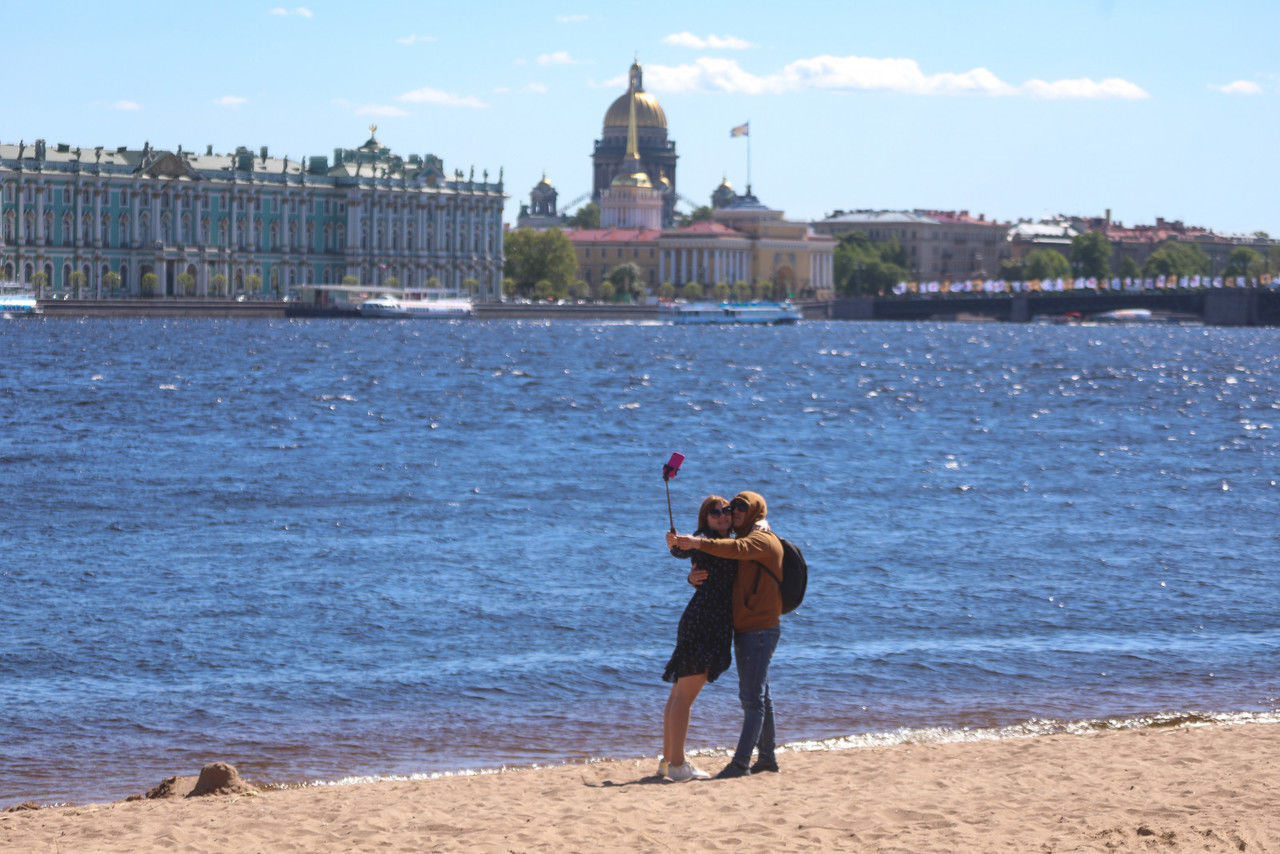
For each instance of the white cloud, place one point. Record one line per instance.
(711, 42)
(866, 74)
(1239, 87)
(440, 98)
(415, 39)
(300, 11)
(560, 57)
(570, 19)
(1083, 87)
(232, 101)
(124, 105)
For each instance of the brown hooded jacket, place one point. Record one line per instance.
(757, 600)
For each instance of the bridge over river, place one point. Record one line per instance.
(1217, 307)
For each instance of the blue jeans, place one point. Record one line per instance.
(754, 651)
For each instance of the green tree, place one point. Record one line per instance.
(587, 216)
(150, 281)
(1176, 259)
(1091, 255)
(1244, 261)
(40, 281)
(666, 291)
(606, 291)
(862, 266)
(391, 282)
(544, 289)
(111, 281)
(1045, 264)
(253, 283)
(1129, 268)
(350, 279)
(536, 255)
(580, 290)
(626, 280)
(76, 281)
(720, 292)
(508, 287)
(187, 283)
(692, 291)
(472, 286)
(741, 291)
(218, 285)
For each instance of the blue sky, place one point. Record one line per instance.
(1011, 109)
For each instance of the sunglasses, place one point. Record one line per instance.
(719, 511)
(738, 505)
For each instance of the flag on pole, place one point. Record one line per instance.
(743, 129)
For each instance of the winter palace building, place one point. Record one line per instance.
(254, 222)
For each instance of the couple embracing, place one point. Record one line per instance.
(738, 602)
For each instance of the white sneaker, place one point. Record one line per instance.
(686, 772)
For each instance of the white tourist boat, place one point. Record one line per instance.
(1125, 315)
(17, 301)
(387, 305)
(740, 312)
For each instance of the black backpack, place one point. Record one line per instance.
(795, 575)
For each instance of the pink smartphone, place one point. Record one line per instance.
(672, 466)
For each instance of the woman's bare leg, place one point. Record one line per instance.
(675, 718)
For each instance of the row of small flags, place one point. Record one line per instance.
(1000, 286)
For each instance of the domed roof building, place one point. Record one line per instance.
(541, 210)
(632, 200)
(656, 154)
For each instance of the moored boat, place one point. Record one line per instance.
(725, 312)
(389, 306)
(15, 302)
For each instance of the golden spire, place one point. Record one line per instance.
(633, 147)
(632, 173)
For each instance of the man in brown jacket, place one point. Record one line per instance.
(757, 607)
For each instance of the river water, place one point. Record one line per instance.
(329, 549)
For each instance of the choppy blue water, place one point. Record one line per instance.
(321, 549)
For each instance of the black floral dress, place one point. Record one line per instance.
(705, 637)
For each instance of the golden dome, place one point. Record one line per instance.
(648, 112)
(635, 179)
(544, 182)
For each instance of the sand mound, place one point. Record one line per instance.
(173, 787)
(220, 778)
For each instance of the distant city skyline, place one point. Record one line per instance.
(1010, 109)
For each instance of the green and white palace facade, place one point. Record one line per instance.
(217, 225)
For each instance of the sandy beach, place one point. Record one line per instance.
(1206, 788)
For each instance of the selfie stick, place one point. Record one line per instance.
(669, 470)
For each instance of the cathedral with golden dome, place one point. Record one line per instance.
(656, 154)
(744, 244)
